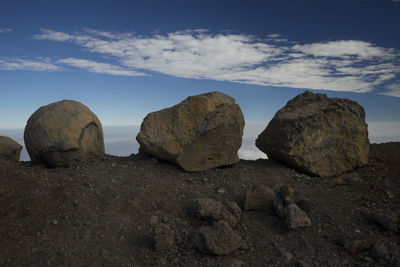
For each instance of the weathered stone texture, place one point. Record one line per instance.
(63, 132)
(200, 133)
(318, 135)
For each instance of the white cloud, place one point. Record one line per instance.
(392, 90)
(359, 49)
(5, 30)
(354, 66)
(27, 64)
(52, 35)
(97, 67)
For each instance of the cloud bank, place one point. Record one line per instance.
(341, 65)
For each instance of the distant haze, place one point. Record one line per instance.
(121, 140)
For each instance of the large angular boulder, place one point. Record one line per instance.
(318, 135)
(63, 132)
(200, 133)
(9, 149)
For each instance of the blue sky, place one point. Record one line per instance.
(124, 59)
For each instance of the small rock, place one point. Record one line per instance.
(214, 210)
(153, 220)
(356, 247)
(221, 190)
(287, 194)
(296, 217)
(163, 237)
(219, 239)
(277, 205)
(260, 197)
(113, 165)
(54, 222)
(386, 218)
(379, 250)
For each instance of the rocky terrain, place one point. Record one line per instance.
(140, 211)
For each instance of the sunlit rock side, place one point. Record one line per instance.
(63, 132)
(318, 135)
(200, 133)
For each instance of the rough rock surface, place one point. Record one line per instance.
(63, 132)
(200, 133)
(214, 210)
(9, 149)
(296, 217)
(318, 135)
(259, 197)
(219, 239)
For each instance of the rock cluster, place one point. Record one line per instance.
(318, 135)
(219, 238)
(9, 149)
(63, 132)
(200, 133)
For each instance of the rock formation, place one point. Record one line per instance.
(200, 133)
(9, 149)
(318, 135)
(63, 132)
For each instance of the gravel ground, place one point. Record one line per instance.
(102, 213)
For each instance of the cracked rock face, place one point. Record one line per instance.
(318, 135)
(201, 132)
(63, 132)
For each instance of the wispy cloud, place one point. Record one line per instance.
(52, 35)
(5, 30)
(344, 65)
(97, 67)
(27, 64)
(392, 90)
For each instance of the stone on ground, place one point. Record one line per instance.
(63, 132)
(214, 210)
(296, 217)
(201, 132)
(259, 197)
(219, 239)
(9, 149)
(318, 135)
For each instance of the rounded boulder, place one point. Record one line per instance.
(9, 149)
(63, 132)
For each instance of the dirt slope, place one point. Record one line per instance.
(99, 213)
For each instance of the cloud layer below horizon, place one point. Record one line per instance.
(342, 65)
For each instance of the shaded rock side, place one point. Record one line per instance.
(318, 135)
(200, 133)
(63, 132)
(9, 149)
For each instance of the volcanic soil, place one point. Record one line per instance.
(101, 213)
